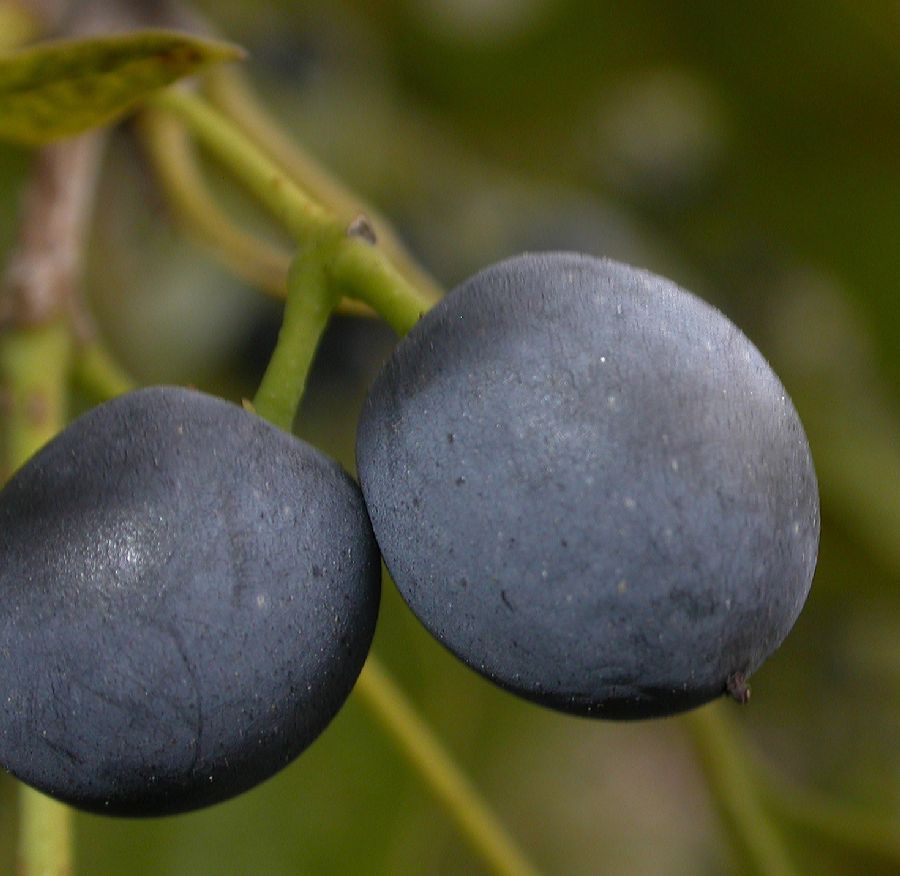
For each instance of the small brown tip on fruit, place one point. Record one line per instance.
(737, 688)
(361, 227)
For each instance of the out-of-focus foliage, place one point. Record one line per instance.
(748, 151)
(60, 88)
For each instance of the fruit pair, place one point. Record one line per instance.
(586, 483)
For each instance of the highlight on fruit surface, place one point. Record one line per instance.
(187, 595)
(591, 487)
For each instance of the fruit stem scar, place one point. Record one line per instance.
(737, 688)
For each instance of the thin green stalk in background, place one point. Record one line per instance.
(448, 783)
(755, 837)
(34, 367)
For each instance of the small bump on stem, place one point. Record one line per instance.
(361, 227)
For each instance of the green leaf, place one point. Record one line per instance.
(57, 89)
(17, 25)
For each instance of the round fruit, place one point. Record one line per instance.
(590, 486)
(187, 595)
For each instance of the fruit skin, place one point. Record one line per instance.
(590, 486)
(187, 595)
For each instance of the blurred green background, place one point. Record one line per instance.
(751, 152)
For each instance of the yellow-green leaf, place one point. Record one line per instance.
(57, 89)
(18, 25)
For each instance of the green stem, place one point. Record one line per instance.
(34, 365)
(757, 840)
(360, 272)
(261, 264)
(448, 783)
(33, 378)
(299, 214)
(45, 840)
(227, 88)
(309, 305)
(357, 268)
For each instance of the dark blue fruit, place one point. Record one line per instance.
(590, 486)
(187, 595)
